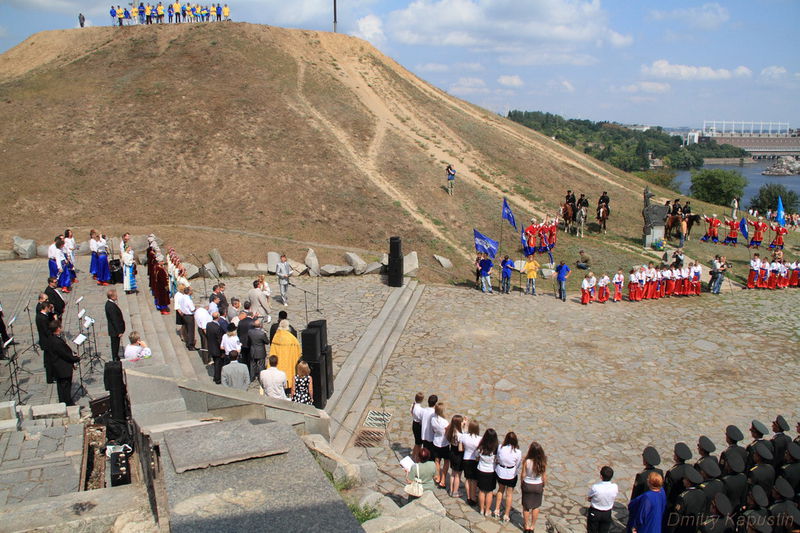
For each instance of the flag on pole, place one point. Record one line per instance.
(508, 215)
(484, 244)
(743, 229)
(527, 250)
(780, 215)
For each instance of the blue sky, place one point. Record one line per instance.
(670, 63)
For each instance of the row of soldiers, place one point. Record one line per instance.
(753, 489)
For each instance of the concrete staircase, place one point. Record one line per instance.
(359, 375)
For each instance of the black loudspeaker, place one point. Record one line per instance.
(312, 348)
(114, 382)
(395, 269)
(320, 381)
(120, 469)
(115, 267)
(322, 326)
(328, 354)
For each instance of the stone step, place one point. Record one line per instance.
(346, 412)
(147, 331)
(191, 363)
(171, 356)
(344, 431)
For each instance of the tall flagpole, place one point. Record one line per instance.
(334, 16)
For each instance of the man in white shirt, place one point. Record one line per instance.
(273, 380)
(123, 242)
(202, 317)
(283, 271)
(213, 303)
(187, 310)
(427, 430)
(601, 501)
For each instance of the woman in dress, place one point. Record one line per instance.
(487, 481)
(508, 459)
(534, 477)
(452, 434)
(69, 249)
(469, 444)
(128, 270)
(103, 271)
(441, 447)
(303, 386)
(93, 249)
(287, 348)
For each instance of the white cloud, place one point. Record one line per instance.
(467, 86)
(370, 28)
(560, 86)
(507, 26)
(510, 81)
(432, 67)
(664, 69)
(472, 67)
(773, 72)
(567, 86)
(652, 87)
(709, 16)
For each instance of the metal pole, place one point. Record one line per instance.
(334, 16)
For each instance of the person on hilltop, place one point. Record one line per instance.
(113, 13)
(120, 15)
(81, 19)
(451, 179)
(226, 12)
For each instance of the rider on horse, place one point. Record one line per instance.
(604, 199)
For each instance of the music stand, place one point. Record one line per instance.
(30, 323)
(95, 358)
(16, 355)
(13, 368)
(79, 341)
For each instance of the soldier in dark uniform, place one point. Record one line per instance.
(735, 482)
(676, 207)
(569, 199)
(779, 441)
(691, 504)
(783, 505)
(673, 480)
(757, 431)
(604, 199)
(756, 513)
(650, 459)
(583, 202)
(762, 473)
(705, 447)
(720, 520)
(733, 435)
(797, 438)
(791, 466)
(711, 485)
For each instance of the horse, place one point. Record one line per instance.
(672, 224)
(580, 222)
(691, 220)
(602, 217)
(567, 214)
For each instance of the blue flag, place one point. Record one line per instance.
(508, 215)
(780, 215)
(527, 250)
(743, 229)
(484, 244)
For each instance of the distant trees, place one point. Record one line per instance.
(623, 147)
(663, 177)
(767, 198)
(717, 186)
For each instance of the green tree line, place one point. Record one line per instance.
(622, 147)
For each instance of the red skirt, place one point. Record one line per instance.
(794, 280)
(617, 292)
(585, 297)
(751, 279)
(670, 287)
(602, 294)
(633, 290)
(773, 281)
(696, 286)
(762, 279)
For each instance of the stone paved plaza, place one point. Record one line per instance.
(594, 385)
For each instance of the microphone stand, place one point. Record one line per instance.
(13, 369)
(203, 270)
(30, 323)
(305, 297)
(81, 354)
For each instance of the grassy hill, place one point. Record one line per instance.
(301, 135)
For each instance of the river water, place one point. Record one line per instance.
(751, 171)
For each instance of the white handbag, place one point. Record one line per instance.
(415, 487)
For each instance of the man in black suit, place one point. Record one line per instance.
(214, 334)
(55, 298)
(63, 362)
(43, 318)
(116, 323)
(242, 330)
(258, 348)
(219, 290)
(283, 315)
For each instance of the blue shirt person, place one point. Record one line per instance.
(486, 271)
(508, 266)
(562, 273)
(646, 511)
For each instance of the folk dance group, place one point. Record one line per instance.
(759, 230)
(644, 283)
(61, 260)
(777, 274)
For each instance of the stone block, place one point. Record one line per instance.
(42, 250)
(273, 258)
(312, 263)
(385, 259)
(374, 268)
(367, 471)
(332, 461)
(297, 267)
(82, 248)
(24, 248)
(192, 271)
(410, 264)
(138, 243)
(209, 270)
(445, 262)
(223, 268)
(50, 410)
(251, 269)
(8, 410)
(358, 264)
(24, 412)
(8, 425)
(74, 414)
(335, 270)
(7, 255)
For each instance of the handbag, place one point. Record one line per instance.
(415, 487)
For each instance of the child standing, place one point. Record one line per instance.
(619, 280)
(531, 268)
(508, 265)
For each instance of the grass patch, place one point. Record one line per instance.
(363, 513)
(526, 192)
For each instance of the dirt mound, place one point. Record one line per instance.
(304, 135)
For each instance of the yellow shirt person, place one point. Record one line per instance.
(160, 9)
(531, 268)
(148, 10)
(120, 13)
(226, 11)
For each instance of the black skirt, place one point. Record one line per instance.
(487, 481)
(456, 458)
(470, 467)
(442, 453)
(507, 482)
(416, 429)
